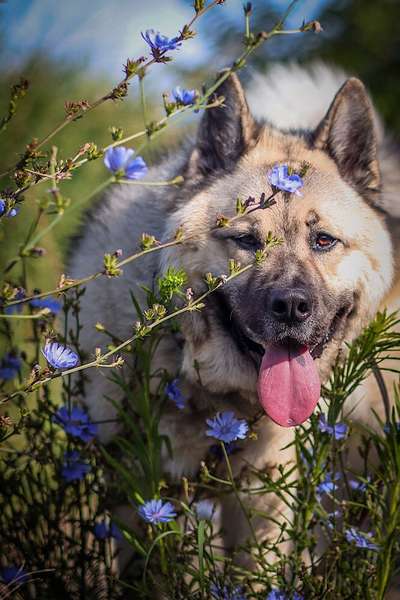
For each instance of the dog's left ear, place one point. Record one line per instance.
(347, 134)
(224, 132)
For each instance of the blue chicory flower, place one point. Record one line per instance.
(160, 43)
(49, 302)
(10, 365)
(120, 160)
(338, 431)
(155, 511)
(279, 595)
(16, 308)
(13, 573)
(226, 427)
(59, 356)
(76, 423)
(174, 393)
(328, 486)
(74, 468)
(280, 179)
(183, 96)
(103, 531)
(204, 510)
(220, 592)
(360, 539)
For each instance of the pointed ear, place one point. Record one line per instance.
(224, 133)
(347, 134)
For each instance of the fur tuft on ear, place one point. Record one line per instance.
(347, 133)
(224, 132)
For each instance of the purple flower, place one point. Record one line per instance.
(220, 592)
(226, 427)
(155, 511)
(360, 539)
(184, 97)
(76, 423)
(49, 302)
(328, 486)
(338, 431)
(174, 393)
(103, 531)
(120, 160)
(59, 356)
(16, 308)
(13, 574)
(204, 510)
(280, 179)
(10, 364)
(160, 43)
(74, 468)
(279, 595)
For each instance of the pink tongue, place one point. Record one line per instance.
(288, 384)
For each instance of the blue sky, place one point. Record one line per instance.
(103, 33)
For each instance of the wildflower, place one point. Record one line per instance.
(359, 539)
(16, 308)
(204, 510)
(279, 595)
(328, 486)
(13, 574)
(155, 511)
(280, 179)
(219, 592)
(103, 531)
(184, 97)
(51, 303)
(74, 468)
(76, 423)
(120, 161)
(359, 486)
(3, 210)
(13, 212)
(59, 356)
(226, 427)
(160, 43)
(338, 431)
(174, 393)
(10, 364)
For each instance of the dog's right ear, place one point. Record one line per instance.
(224, 132)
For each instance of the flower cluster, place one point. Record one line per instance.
(76, 423)
(10, 365)
(226, 427)
(59, 356)
(338, 431)
(174, 393)
(280, 179)
(74, 468)
(121, 162)
(155, 511)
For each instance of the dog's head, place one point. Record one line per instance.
(287, 317)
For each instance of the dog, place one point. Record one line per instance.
(314, 293)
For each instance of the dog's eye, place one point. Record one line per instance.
(247, 241)
(324, 241)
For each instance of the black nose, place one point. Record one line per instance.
(290, 305)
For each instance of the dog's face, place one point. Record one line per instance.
(326, 279)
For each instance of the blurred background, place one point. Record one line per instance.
(75, 50)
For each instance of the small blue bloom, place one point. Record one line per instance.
(3, 208)
(174, 393)
(226, 427)
(13, 574)
(184, 97)
(155, 511)
(59, 356)
(360, 539)
(10, 365)
(13, 212)
(103, 531)
(279, 595)
(160, 43)
(219, 592)
(359, 486)
(280, 179)
(328, 486)
(338, 431)
(49, 302)
(120, 160)
(74, 468)
(16, 308)
(76, 424)
(204, 510)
